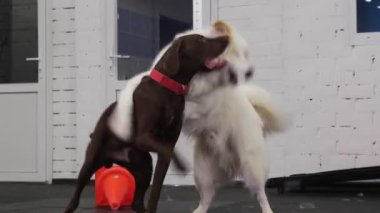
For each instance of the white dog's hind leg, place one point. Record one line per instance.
(263, 200)
(259, 192)
(206, 193)
(254, 173)
(204, 180)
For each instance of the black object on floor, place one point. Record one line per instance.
(347, 198)
(300, 181)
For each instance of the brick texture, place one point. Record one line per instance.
(303, 55)
(64, 72)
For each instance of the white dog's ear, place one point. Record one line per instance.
(222, 27)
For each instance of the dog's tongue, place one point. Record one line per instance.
(215, 63)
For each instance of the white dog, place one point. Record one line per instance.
(228, 124)
(229, 141)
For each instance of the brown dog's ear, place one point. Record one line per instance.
(171, 58)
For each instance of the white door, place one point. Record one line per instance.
(22, 90)
(135, 34)
(138, 31)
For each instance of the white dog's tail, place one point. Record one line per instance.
(273, 119)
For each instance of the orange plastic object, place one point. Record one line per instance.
(114, 187)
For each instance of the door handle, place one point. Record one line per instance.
(32, 59)
(120, 56)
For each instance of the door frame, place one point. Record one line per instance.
(112, 83)
(44, 157)
(201, 16)
(48, 43)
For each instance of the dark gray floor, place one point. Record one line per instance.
(42, 198)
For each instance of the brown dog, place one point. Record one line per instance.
(157, 121)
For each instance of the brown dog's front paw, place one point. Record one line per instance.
(68, 210)
(149, 210)
(71, 207)
(139, 209)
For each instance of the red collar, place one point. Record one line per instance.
(168, 83)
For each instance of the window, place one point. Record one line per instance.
(18, 41)
(144, 27)
(368, 16)
(366, 22)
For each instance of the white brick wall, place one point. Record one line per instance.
(79, 84)
(303, 55)
(91, 79)
(64, 73)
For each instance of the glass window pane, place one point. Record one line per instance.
(144, 27)
(18, 41)
(368, 16)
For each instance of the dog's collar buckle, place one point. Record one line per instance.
(168, 83)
